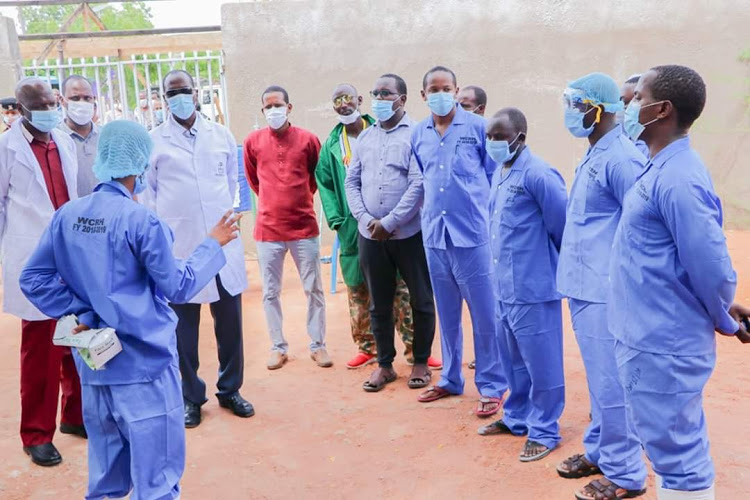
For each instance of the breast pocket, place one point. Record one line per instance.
(599, 198)
(467, 162)
(213, 162)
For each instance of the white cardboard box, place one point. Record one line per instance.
(96, 347)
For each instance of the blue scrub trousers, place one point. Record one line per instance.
(136, 438)
(610, 440)
(665, 396)
(459, 274)
(532, 353)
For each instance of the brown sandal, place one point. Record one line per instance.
(386, 377)
(433, 394)
(577, 467)
(419, 381)
(604, 489)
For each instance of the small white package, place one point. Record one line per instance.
(96, 347)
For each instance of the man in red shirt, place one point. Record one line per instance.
(37, 176)
(280, 163)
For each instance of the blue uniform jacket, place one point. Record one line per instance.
(527, 218)
(594, 207)
(108, 260)
(672, 280)
(457, 172)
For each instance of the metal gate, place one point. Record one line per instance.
(132, 88)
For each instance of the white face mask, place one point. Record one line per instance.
(276, 117)
(351, 118)
(143, 103)
(80, 112)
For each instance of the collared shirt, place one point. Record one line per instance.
(48, 157)
(384, 182)
(642, 147)
(86, 153)
(109, 261)
(457, 172)
(594, 208)
(672, 280)
(527, 218)
(280, 169)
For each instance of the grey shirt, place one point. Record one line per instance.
(384, 181)
(86, 153)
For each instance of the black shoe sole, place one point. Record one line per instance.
(46, 463)
(192, 425)
(228, 406)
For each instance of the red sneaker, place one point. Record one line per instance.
(435, 364)
(360, 360)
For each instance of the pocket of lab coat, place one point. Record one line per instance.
(467, 161)
(217, 162)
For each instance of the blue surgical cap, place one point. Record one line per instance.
(124, 150)
(600, 89)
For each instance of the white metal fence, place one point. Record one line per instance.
(122, 85)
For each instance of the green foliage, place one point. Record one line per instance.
(48, 19)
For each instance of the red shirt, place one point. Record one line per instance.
(280, 169)
(49, 160)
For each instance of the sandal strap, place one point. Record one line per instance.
(578, 463)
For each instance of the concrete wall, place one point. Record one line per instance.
(521, 51)
(10, 57)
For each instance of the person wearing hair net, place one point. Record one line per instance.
(608, 170)
(108, 260)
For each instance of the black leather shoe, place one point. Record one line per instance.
(192, 415)
(45, 454)
(76, 430)
(238, 405)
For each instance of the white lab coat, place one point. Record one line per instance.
(191, 188)
(26, 210)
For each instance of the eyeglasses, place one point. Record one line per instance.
(342, 99)
(384, 94)
(174, 92)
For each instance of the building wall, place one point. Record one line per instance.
(521, 51)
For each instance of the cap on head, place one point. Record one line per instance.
(600, 90)
(8, 103)
(124, 150)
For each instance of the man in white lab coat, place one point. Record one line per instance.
(37, 176)
(192, 182)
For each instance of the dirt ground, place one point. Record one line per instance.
(316, 434)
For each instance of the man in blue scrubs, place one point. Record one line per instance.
(607, 171)
(527, 218)
(108, 260)
(672, 285)
(449, 147)
(627, 91)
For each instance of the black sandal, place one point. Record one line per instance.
(523, 457)
(604, 489)
(383, 381)
(577, 467)
(419, 382)
(496, 427)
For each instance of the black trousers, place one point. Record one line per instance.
(227, 314)
(382, 262)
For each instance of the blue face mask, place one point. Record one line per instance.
(45, 121)
(383, 110)
(500, 150)
(574, 122)
(140, 185)
(441, 103)
(632, 123)
(181, 106)
(159, 115)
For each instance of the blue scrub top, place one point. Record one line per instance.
(527, 218)
(457, 172)
(594, 207)
(672, 277)
(109, 260)
(642, 147)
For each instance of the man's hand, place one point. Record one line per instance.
(226, 230)
(80, 328)
(741, 314)
(377, 231)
